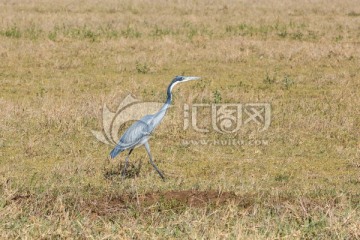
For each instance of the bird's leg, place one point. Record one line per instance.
(123, 173)
(147, 147)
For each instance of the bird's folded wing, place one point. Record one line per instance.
(135, 133)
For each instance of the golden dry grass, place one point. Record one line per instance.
(61, 61)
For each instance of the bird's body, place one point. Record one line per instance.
(134, 136)
(138, 133)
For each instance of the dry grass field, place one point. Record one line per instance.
(61, 61)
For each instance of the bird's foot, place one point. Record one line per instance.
(161, 175)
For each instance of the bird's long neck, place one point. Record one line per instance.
(169, 97)
(160, 115)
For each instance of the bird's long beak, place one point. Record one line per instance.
(191, 78)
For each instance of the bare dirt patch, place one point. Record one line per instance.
(168, 200)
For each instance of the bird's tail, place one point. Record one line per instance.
(116, 151)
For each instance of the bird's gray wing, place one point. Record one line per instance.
(135, 133)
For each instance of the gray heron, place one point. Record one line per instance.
(139, 132)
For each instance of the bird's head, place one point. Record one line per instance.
(180, 79)
(184, 78)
